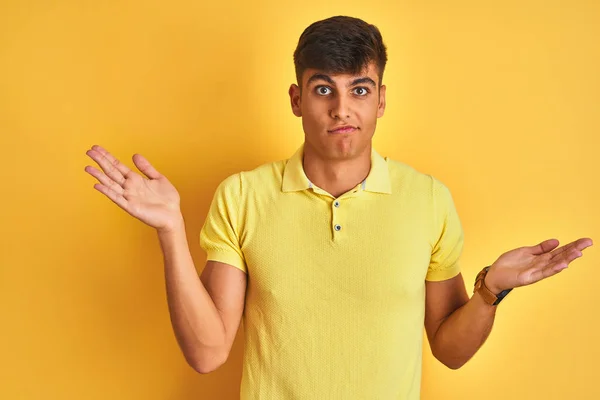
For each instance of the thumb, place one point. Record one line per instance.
(544, 247)
(144, 165)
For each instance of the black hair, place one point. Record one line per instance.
(340, 44)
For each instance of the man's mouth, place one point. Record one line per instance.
(343, 129)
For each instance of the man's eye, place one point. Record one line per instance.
(323, 90)
(361, 91)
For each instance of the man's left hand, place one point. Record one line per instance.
(530, 264)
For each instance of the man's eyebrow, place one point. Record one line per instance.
(327, 78)
(366, 79)
(320, 77)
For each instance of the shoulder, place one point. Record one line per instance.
(405, 177)
(267, 172)
(260, 178)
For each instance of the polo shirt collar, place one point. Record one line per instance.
(378, 180)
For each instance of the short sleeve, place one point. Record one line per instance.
(449, 239)
(219, 236)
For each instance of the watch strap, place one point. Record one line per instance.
(487, 295)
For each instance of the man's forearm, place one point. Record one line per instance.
(463, 332)
(196, 321)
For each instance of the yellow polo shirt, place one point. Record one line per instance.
(335, 301)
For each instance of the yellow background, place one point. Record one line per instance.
(501, 102)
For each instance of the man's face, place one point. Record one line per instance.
(330, 102)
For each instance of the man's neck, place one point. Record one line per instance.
(336, 177)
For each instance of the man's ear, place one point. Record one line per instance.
(381, 106)
(295, 99)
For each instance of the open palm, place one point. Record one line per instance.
(151, 199)
(529, 264)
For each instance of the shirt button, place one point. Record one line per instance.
(337, 227)
(336, 203)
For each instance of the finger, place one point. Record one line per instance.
(579, 244)
(583, 243)
(111, 194)
(544, 246)
(112, 167)
(552, 268)
(542, 273)
(564, 259)
(104, 179)
(145, 167)
(561, 260)
(561, 250)
(122, 168)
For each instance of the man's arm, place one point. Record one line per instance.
(206, 312)
(456, 326)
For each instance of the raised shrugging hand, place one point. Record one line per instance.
(151, 198)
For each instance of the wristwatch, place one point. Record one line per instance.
(488, 296)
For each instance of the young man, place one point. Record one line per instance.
(335, 258)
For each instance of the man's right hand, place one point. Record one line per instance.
(152, 200)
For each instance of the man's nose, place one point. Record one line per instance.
(340, 108)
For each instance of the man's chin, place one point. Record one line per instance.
(340, 147)
(344, 150)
